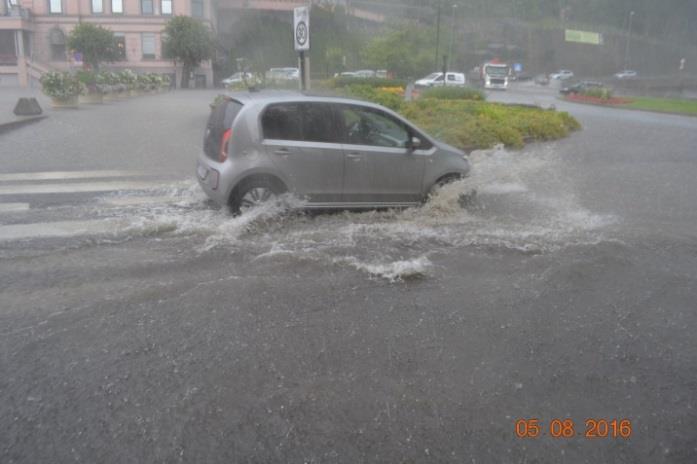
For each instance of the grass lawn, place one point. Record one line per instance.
(663, 104)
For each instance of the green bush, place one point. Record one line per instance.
(470, 124)
(386, 98)
(454, 93)
(61, 85)
(339, 82)
(598, 92)
(93, 82)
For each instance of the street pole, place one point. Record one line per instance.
(437, 35)
(452, 38)
(629, 39)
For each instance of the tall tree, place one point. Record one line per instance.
(189, 41)
(95, 43)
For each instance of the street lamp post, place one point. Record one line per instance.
(629, 39)
(437, 35)
(452, 38)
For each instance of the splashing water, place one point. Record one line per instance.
(525, 203)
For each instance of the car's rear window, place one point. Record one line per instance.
(221, 118)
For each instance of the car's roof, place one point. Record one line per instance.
(282, 96)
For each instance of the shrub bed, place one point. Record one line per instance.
(454, 93)
(472, 124)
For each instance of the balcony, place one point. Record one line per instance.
(13, 17)
(7, 59)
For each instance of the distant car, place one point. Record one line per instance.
(237, 78)
(626, 74)
(541, 79)
(434, 79)
(283, 74)
(346, 74)
(562, 75)
(365, 73)
(333, 152)
(580, 87)
(381, 73)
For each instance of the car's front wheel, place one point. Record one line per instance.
(254, 194)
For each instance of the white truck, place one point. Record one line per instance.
(495, 75)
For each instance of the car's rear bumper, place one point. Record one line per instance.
(208, 175)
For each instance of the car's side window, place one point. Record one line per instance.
(367, 126)
(282, 122)
(451, 77)
(318, 123)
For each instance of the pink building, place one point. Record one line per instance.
(33, 35)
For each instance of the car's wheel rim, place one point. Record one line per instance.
(256, 197)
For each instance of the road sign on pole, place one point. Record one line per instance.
(301, 37)
(301, 28)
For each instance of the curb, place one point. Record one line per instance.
(620, 107)
(16, 124)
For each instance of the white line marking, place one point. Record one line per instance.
(59, 229)
(20, 189)
(134, 201)
(13, 207)
(57, 175)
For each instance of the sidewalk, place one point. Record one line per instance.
(8, 99)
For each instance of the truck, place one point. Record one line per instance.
(495, 75)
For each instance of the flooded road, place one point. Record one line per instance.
(139, 323)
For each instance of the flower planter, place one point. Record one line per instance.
(92, 98)
(70, 102)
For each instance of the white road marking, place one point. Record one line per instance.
(133, 201)
(58, 175)
(21, 189)
(13, 207)
(59, 229)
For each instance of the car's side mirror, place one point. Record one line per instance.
(414, 143)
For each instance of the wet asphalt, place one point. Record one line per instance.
(568, 292)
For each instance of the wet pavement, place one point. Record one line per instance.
(140, 324)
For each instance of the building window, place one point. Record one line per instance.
(166, 7)
(55, 6)
(117, 6)
(146, 7)
(97, 7)
(120, 38)
(197, 8)
(56, 39)
(148, 45)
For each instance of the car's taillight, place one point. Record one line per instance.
(224, 142)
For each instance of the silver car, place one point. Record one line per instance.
(332, 152)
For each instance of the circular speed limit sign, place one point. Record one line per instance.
(301, 33)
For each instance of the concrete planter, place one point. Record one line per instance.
(109, 97)
(71, 102)
(92, 98)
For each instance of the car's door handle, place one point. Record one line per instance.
(282, 151)
(354, 156)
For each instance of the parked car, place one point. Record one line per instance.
(283, 74)
(366, 73)
(237, 78)
(562, 75)
(541, 79)
(433, 79)
(382, 74)
(334, 152)
(580, 87)
(626, 74)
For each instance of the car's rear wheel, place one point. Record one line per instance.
(254, 194)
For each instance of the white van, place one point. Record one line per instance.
(435, 79)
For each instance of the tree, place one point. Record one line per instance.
(96, 44)
(189, 41)
(406, 50)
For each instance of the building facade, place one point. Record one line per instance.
(33, 35)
